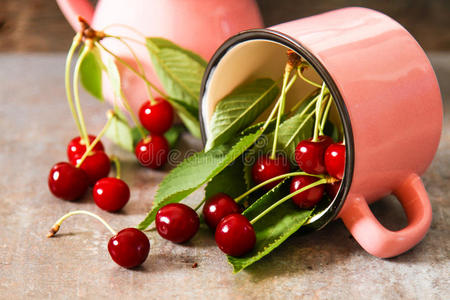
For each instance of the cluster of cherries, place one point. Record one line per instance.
(157, 117)
(234, 234)
(313, 157)
(70, 180)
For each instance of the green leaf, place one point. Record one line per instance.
(120, 133)
(179, 70)
(230, 181)
(266, 200)
(136, 135)
(195, 171)
(290, 134)
(332, 131)
(158, 43)
(113, 75)
(258, 126)
(249, 160)
(239, 109)
(273, 229)
(91, 73)
(189, 115)
(173, 134)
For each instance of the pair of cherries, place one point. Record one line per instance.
(157, 117)
(70, 183)
(234, 234)
(318, 157)
(313, 157)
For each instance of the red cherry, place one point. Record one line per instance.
(156, 117)
(76, 147)
(332, 189)
(335, 160)
(111, 194)
(67, 182)
(152, 151)
(129, 247)
(235, 235)
(310, 197)
(177, 222)
(266, 168)
(217, 207)
(96, 166)
(309, 155)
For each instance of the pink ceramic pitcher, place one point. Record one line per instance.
(200, 26)
(387, 97)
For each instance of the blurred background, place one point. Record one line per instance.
(39, 26)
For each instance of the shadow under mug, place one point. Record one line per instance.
(386, 95)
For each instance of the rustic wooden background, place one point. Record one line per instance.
(38, 25)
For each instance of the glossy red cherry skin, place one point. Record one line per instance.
(266, 168)
(96, 166)
(152, 152)
(309, 155)
(157, 117)
(129, 247)
(177, 222)
(335, 160)
(67, 182)
(235, 235)
(310, 197)
(76, 147)
(217, 207)
(332, 189)
(111, 194)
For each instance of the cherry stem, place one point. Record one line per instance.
(311, 95)
(133, 70)
(133, 116)
(269, 118)
(291, 82)
(76, 75)
(282, 100)
(116, 161)
(282, 200)
(73, 47)
(124, 26)
(309, 116)
(304, 111)
(287, 175)
(300, 74)
(129, 39)
(110, 115)
(318, 108)
(325, 115)
(57, 225)
(139, 64)
(263, 128)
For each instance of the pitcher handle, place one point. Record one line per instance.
(74, 8)
(374, 237)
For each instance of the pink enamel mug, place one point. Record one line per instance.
(386, 95)
(200, 26)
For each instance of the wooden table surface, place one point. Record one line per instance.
(36, 126)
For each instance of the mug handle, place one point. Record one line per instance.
(374, 237)
(74, 8)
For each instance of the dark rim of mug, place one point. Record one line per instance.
(285, 40)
